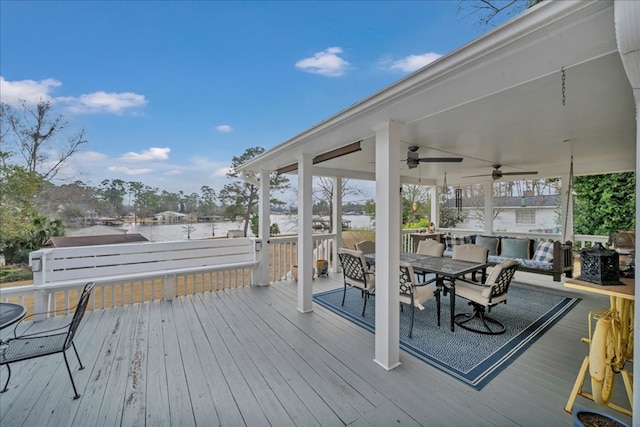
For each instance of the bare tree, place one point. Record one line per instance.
(324, 192)
(487, 10)
(37, 135)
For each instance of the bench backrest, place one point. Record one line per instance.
(88, 262)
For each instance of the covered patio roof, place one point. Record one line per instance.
(560, 80)
(497, 100)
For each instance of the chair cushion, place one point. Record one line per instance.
(421, 294)
(489, 242)
(473, 292)
(544, 252)
(470, 252)
(430, 247)
(366, 247)
(515, 248)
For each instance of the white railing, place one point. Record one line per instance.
(135, 272)
(126, 275)
(284, 253)
(586, 241)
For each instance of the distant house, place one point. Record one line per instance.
(170, 216)
(525, 214)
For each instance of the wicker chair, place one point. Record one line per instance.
(44, 343)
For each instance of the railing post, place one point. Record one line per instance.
(170, 280)
(38, 264)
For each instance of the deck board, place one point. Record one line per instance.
(247, 356)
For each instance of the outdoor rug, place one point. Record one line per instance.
(472, 358)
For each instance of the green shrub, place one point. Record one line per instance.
(14, 275)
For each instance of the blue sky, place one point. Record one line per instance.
(168, 92)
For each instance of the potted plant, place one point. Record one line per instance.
(583, 417)
(294, 272)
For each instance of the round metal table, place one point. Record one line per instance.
(11, 313)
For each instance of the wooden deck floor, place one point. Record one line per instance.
(248, 357)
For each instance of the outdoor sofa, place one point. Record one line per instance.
(553, 258)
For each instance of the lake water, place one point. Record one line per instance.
(170, 232)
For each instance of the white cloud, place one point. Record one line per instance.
(153, 153)
(30, 91)
(325, 63)
(224, 128)
(222, 172)
(33, 91)
(173, 172)
(99, 102)
(89, 156)
(129, 171)
(414, 62)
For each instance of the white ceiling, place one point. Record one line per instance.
(497, 100)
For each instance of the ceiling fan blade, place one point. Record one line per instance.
(520, 173)
(440, 159)
(477, 176)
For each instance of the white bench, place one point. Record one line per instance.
(61, 268)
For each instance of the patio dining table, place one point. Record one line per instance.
(444, 268)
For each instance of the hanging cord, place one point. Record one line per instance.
(564, 87)
(569, 192)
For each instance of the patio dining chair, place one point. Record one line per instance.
(366, 247)
(483, 297)
(356, 274)
(27, 346)
(473, 253)
(416, 294)
(429, 247)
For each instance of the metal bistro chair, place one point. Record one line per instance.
(473, 253)
(485, 296)
(44, 343)
(416, 294)
(431, 248)
(366, 247)
(356, 274)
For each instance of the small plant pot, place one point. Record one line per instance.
(583, 417)
(323, 267)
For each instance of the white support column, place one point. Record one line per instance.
(625, 15)
(305, 238)
(388, 235)
(566, 211)
(264, 227)
(337, 222)
(487, 188)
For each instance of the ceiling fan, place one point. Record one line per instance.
(413, 158)
(497, 173)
